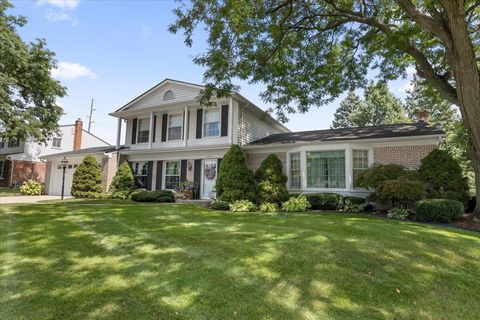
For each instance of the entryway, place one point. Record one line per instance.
(209, 177)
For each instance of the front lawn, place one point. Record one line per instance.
(120, 260)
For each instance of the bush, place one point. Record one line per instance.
(268, 207)
(124, 195)
(123, 183)
(400, 189)
(438, 210)
(397, 213)
(271, 180)
(153, 196)
(376, 174)
(87, 179)
(243, 206)
(443, 177)
(349, 206)
(325, 201)
(355, 200)
(296, 204)
(220, 205)
(235, 179)
(31, 188)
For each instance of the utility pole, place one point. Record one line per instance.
(90, 117)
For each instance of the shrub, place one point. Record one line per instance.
(438, 210)
(123, 183)
(271, 180)
(376, 174)
(31, 188)
(268, 207)
(397, 213)
(124, 195)
(220, 205)
(355, 200)
(296, 204)
(243, 206)
(87, 179)
(153, 196)
(401, 189)
(349, 206)
(325, 201)
(235, 179)
(443, 177)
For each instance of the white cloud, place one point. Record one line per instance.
(69, 70)
(62, 4)
(55, 16)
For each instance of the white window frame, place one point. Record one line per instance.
(139, 164)
(172, 175)
(204, 122)
(168, 126)
(138, 129)
(59, 142)
(165, 98)
(290, 170)
(2, 169)
(353, 166)
(345, 174)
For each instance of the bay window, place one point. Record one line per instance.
(326, 169)
(172, 175)
(295, 171)
(143, 130)
(211, 127)
(140, 170)
(175, 126)
(359, 164)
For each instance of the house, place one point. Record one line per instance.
(22, 160)
(170, 138)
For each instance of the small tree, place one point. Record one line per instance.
(235, 179)
(271, 181)
(87, 179)
(376, 174)
(400, 189)
(443, 177)
(123, 182)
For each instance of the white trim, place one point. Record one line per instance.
(219, 111)
(150, 131)
(164, 180)
(138, 130)
(168, 125)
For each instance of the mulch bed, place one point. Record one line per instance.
(466, 222)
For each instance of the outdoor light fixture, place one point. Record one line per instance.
(64, 163)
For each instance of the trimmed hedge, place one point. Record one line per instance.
(271, 180)
(325, 201)
(355, 200)
(220, 205)
(153, 196)
(438, 210)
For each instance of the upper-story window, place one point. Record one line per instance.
(175, 126)
(13, 143)
(211, 126)
(168, 95)
(143, 130)
(57, 142)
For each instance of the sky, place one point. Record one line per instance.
(112, 51)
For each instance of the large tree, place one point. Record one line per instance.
(28, 93)
(308, 52)
(349, 107)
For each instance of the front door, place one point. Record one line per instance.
(209, 174)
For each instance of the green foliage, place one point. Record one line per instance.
(220, 205)
(28, 93)
(438, 210)
(397, 213)
(349, 107)
(153, 196)
(349, 206)
(31, 188)
(325, 201)
(376, 174)
(355, 200)
(268, 207)
(235, 179)
(402, 189)
(87, 179)
(271, 180)
(242, 206)
(296, 204)
(124, 195)
(443, 177)
(123, 181)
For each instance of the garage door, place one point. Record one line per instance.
(57, 172)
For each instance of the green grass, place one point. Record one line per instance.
(8, 192)
(119, 260)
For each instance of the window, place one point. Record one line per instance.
(295, 171)
(326, 169)
(3, 170)
(143, 130)
(13, 143)
(168, 95)
(175, 126)
(360, 164)
(140, 172)
(211, 128)
(57, 142)
(172, 175)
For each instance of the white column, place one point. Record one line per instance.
(230, 120)
(185, 127)
(348, 168)
(119, 132)
(150, 132)
(303, 169)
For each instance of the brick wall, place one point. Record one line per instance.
(109, 169)
(408, 156)
(254, 160)
(26, 170)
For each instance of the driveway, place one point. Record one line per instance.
(28, 199)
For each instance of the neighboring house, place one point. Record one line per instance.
(170, 138)
(22, 160)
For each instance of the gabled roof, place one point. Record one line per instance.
(371, 132)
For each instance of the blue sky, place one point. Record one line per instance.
(112, 51)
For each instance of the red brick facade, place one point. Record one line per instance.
(408, 156)
(26, 170)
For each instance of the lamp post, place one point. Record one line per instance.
(64, 163)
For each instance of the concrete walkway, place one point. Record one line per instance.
(28, 199)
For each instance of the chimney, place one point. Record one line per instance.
(77, 135)
(423, 115)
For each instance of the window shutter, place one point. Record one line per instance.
(224, 129)
(197, 171)
(154, 128)
(134, 131)
(149, 175)
(159, 175)
(164, 127)
(183, 171)
(199, 123)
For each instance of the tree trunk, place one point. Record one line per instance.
(475, 158)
